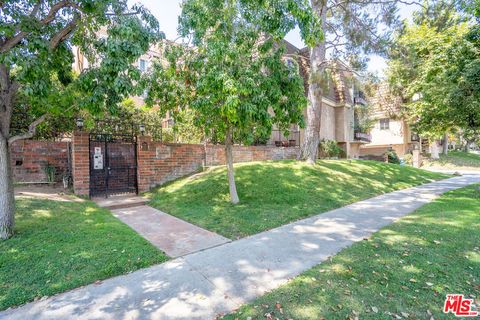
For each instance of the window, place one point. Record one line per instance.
(384, 124)
(143, 65)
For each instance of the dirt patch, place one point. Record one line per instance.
(46, 191)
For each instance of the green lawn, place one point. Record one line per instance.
(455, 160)
(403, 270)
(63, 245)
(276, 193)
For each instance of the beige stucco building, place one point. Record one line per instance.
(390, 130)
(337, 113)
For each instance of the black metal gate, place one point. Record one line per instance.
(113, 164)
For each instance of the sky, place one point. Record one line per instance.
(167, 12)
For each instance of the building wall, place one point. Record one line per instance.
(394, 135)
(30, 158)
(328, 123)
(159, 163)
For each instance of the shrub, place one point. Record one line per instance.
(330, 148)
(408, 158)
(392, 157)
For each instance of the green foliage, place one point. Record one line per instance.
(50, 171)
(406, 268)
(392, 157)
(363, 118)
(183, 129)
(330, 148)
(408, 158)
(235, 78)
(435, 68)
(36, 51)
(283, 192)
(274, 18)
(62, 245)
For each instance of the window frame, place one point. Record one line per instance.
(384, 123)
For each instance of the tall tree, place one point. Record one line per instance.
(36, 39)
(353, 29)
(431, 59)
(234, 77)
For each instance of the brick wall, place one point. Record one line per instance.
(216, 154)
(81, 163)
(159, 163)
(30, 158)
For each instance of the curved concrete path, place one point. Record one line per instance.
(217, 280)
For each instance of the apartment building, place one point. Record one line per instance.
(338, 116)
(391, 130)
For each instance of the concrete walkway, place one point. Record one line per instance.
(218, 280)
(173, 236)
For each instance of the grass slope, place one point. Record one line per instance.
(403, 271)
(455, 160)
(63, 245)
(276, 193)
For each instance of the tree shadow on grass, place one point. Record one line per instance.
(275, 193)
(61, 245)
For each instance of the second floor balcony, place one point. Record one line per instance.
(359, 98)
(279, 139)
(362, 136)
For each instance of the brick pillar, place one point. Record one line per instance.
(145, 154)
(81, 163)
(416, 158)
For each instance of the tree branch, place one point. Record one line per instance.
(31, 130)
(64, 33)
(8, 44)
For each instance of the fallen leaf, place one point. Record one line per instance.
(429, 284)
(413, 280)
(375, 309)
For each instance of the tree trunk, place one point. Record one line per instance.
(230, 172)
(445, 143)
(8, 90)
(309, 150)
(7, 202)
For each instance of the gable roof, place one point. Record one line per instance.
(338, 88)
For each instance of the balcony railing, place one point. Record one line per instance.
(359, 98)
(362, 136)
(279, 139)
(359, 101)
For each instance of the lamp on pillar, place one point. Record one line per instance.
(79, 122)
(142, 129)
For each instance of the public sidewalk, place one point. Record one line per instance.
(205, 284)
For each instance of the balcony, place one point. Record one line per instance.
(362, 137)
(359, 98)
(279, 139)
